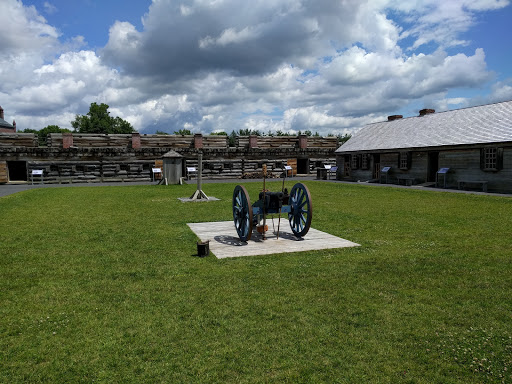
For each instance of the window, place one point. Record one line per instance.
(405, 160)
(354, 162)
(491, 159)
(364, 161)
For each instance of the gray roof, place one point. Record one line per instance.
(490, 123)
(5, 124)
(172, 154)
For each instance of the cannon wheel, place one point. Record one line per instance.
(301, 210)
(242, 213)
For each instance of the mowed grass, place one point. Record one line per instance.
(99, 284)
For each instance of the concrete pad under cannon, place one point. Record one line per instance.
(224, 241)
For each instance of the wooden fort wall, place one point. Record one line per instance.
(95, 158)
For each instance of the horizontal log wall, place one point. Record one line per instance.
(215, 141)
(278, 142)
(94, 164)
(92, 171)
(55, 140)
(18, 140)
(92, 140)
(233, 169)
(242, 142)
(169, 141)
(288, 142)
(93, 158)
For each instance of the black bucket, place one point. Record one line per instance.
(203, 248)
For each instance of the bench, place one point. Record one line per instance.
(406, 179)
(464, 183)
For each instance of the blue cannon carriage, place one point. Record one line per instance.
(297, 204)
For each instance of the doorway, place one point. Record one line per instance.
(17, 170)
(432, 166)
(346, 166)
(376, 167)
(303, 166)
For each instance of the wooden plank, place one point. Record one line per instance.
(4, 178)
(18, 140)
(292, 163)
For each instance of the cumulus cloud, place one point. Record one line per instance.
(222, 65)
(441, 21)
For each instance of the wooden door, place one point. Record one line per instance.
(292, 163)
(376, 167)
(4, 177)
(432, 166)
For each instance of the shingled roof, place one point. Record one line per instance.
(5, 124)
(490, 123)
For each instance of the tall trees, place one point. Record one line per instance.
(98, 120)
(42, 134)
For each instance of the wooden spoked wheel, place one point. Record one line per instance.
(301, 210)
(242, 213)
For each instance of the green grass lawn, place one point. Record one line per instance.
(100, 285)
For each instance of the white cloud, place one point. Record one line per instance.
(27, 31)
(230, 36)
(49, 8)
(442, 21)
(222, 65)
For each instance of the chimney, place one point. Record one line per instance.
(424, 112)
(1, 113)
(394, 117)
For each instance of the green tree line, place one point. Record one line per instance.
(98, 120)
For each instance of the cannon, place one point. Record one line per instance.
(297, 204)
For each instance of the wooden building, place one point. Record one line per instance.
(469, 148)
(83, 158)
(4, 125)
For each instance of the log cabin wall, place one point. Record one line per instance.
(8, 140)
(96, 158)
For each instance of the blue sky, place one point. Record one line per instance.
(221, 65)
(90, 18)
